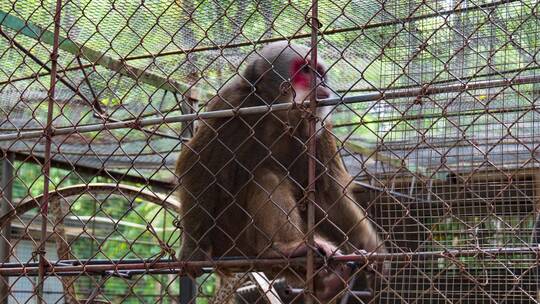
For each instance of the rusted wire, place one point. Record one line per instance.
(327, 32)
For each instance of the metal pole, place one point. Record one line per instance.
(6, 183)
(237, 264)
(188, 290)
(312, 154)
(44, 208)
(188, 286)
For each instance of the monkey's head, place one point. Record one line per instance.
(281, 72)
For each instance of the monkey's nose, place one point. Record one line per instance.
(322, 93)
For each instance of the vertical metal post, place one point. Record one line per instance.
(535, 240)
(44, 208)
(188, 290)
(312, 153)
(6, 183)
(188, 286)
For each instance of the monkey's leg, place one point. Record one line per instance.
(353, 228)
(277, 229)
(353, 221)
(347, 224)
(196, 222)
(280, 232)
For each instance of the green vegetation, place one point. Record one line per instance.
(112, 227)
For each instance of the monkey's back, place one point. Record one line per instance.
(218, 163)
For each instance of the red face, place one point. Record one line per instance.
(301, 80)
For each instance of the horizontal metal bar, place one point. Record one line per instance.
(87, 262)
(450, 254)
(139, 123)
(241, 264)
(147, 122)
(361, 294)
(99, 268)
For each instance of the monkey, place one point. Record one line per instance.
(242, 180)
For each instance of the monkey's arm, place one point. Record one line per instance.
(357, 225)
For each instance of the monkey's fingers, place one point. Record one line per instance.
(333, 280)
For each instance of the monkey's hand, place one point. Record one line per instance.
(332, 278)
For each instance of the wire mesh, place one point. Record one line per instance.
(432, 115)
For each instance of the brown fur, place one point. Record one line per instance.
(242, 178)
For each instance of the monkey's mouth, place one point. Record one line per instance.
(304, 95)
(323, 93)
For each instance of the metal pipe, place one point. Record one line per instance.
(394, 94)
(239, 263)
(44, 208)
(6, 183)
(311, 153)
(97, 268)
(361, 294)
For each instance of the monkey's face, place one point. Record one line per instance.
(282, 72)
(301, 73)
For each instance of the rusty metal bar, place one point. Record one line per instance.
(238, 263)
(313, 21)
(233, 264)
(394, 94)
(6, 204)
(41, 250)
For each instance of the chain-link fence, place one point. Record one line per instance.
(269, 151)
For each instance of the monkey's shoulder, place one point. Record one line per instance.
(237, 93)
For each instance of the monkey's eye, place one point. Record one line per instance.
(306, 69)
(321, 71)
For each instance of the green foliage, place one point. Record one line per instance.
(115, 227)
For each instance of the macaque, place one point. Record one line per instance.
(243, 179)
